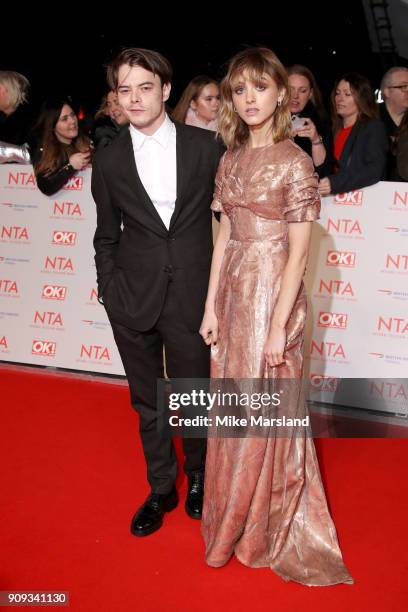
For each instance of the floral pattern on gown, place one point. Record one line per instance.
(264, 499)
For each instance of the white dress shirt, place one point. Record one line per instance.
(156, 164)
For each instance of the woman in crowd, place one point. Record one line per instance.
(60, 151)
(110, 120)
(360, 139)
(264, 499)
(199, 103)
(314, 133)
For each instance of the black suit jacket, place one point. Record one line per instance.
(363, 160)
(135, 253)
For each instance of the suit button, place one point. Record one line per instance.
(171, 239)
(168, 269)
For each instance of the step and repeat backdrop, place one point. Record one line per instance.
(49, 312)
(357, 281)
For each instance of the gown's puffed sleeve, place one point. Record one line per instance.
(302, 200)
(216, 204)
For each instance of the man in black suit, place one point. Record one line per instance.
(153, 188)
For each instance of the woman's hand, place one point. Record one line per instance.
(79, 161)
(324, 187)
(308, 130)
(275, 346)
(209, 328)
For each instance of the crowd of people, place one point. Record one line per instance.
(356, 144)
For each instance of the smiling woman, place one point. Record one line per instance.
(58, 149)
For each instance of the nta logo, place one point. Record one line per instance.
(336, 287)
(396, 325)
(95, 352)
(24, 179)
(8, 286)
(67, 209)
(61, 264)
(396, 262)
(348, 227)
(328, 349)
(48, 318)
(13, 232)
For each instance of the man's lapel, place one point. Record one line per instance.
(184, 164)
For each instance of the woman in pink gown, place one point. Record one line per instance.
(264, 500)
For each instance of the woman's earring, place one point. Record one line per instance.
(279, 102)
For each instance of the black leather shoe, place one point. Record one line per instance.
(149, 517)
(195, 494)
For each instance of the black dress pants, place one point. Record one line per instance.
(187, 356)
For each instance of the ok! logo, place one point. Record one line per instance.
(351, 198)
(320, 382)
(44, 348)
(333, 320)
(74, 184)
(54, 292)
(64, 238)
(343, 259)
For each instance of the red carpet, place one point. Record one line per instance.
(72, 475)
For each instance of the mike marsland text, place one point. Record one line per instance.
(233, 421)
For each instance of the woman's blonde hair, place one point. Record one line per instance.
(254, 62)
(17, 87)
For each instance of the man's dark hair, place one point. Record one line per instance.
(145, 58)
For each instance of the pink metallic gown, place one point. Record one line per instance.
(264, 499)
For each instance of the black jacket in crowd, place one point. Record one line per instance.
(363, 160)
